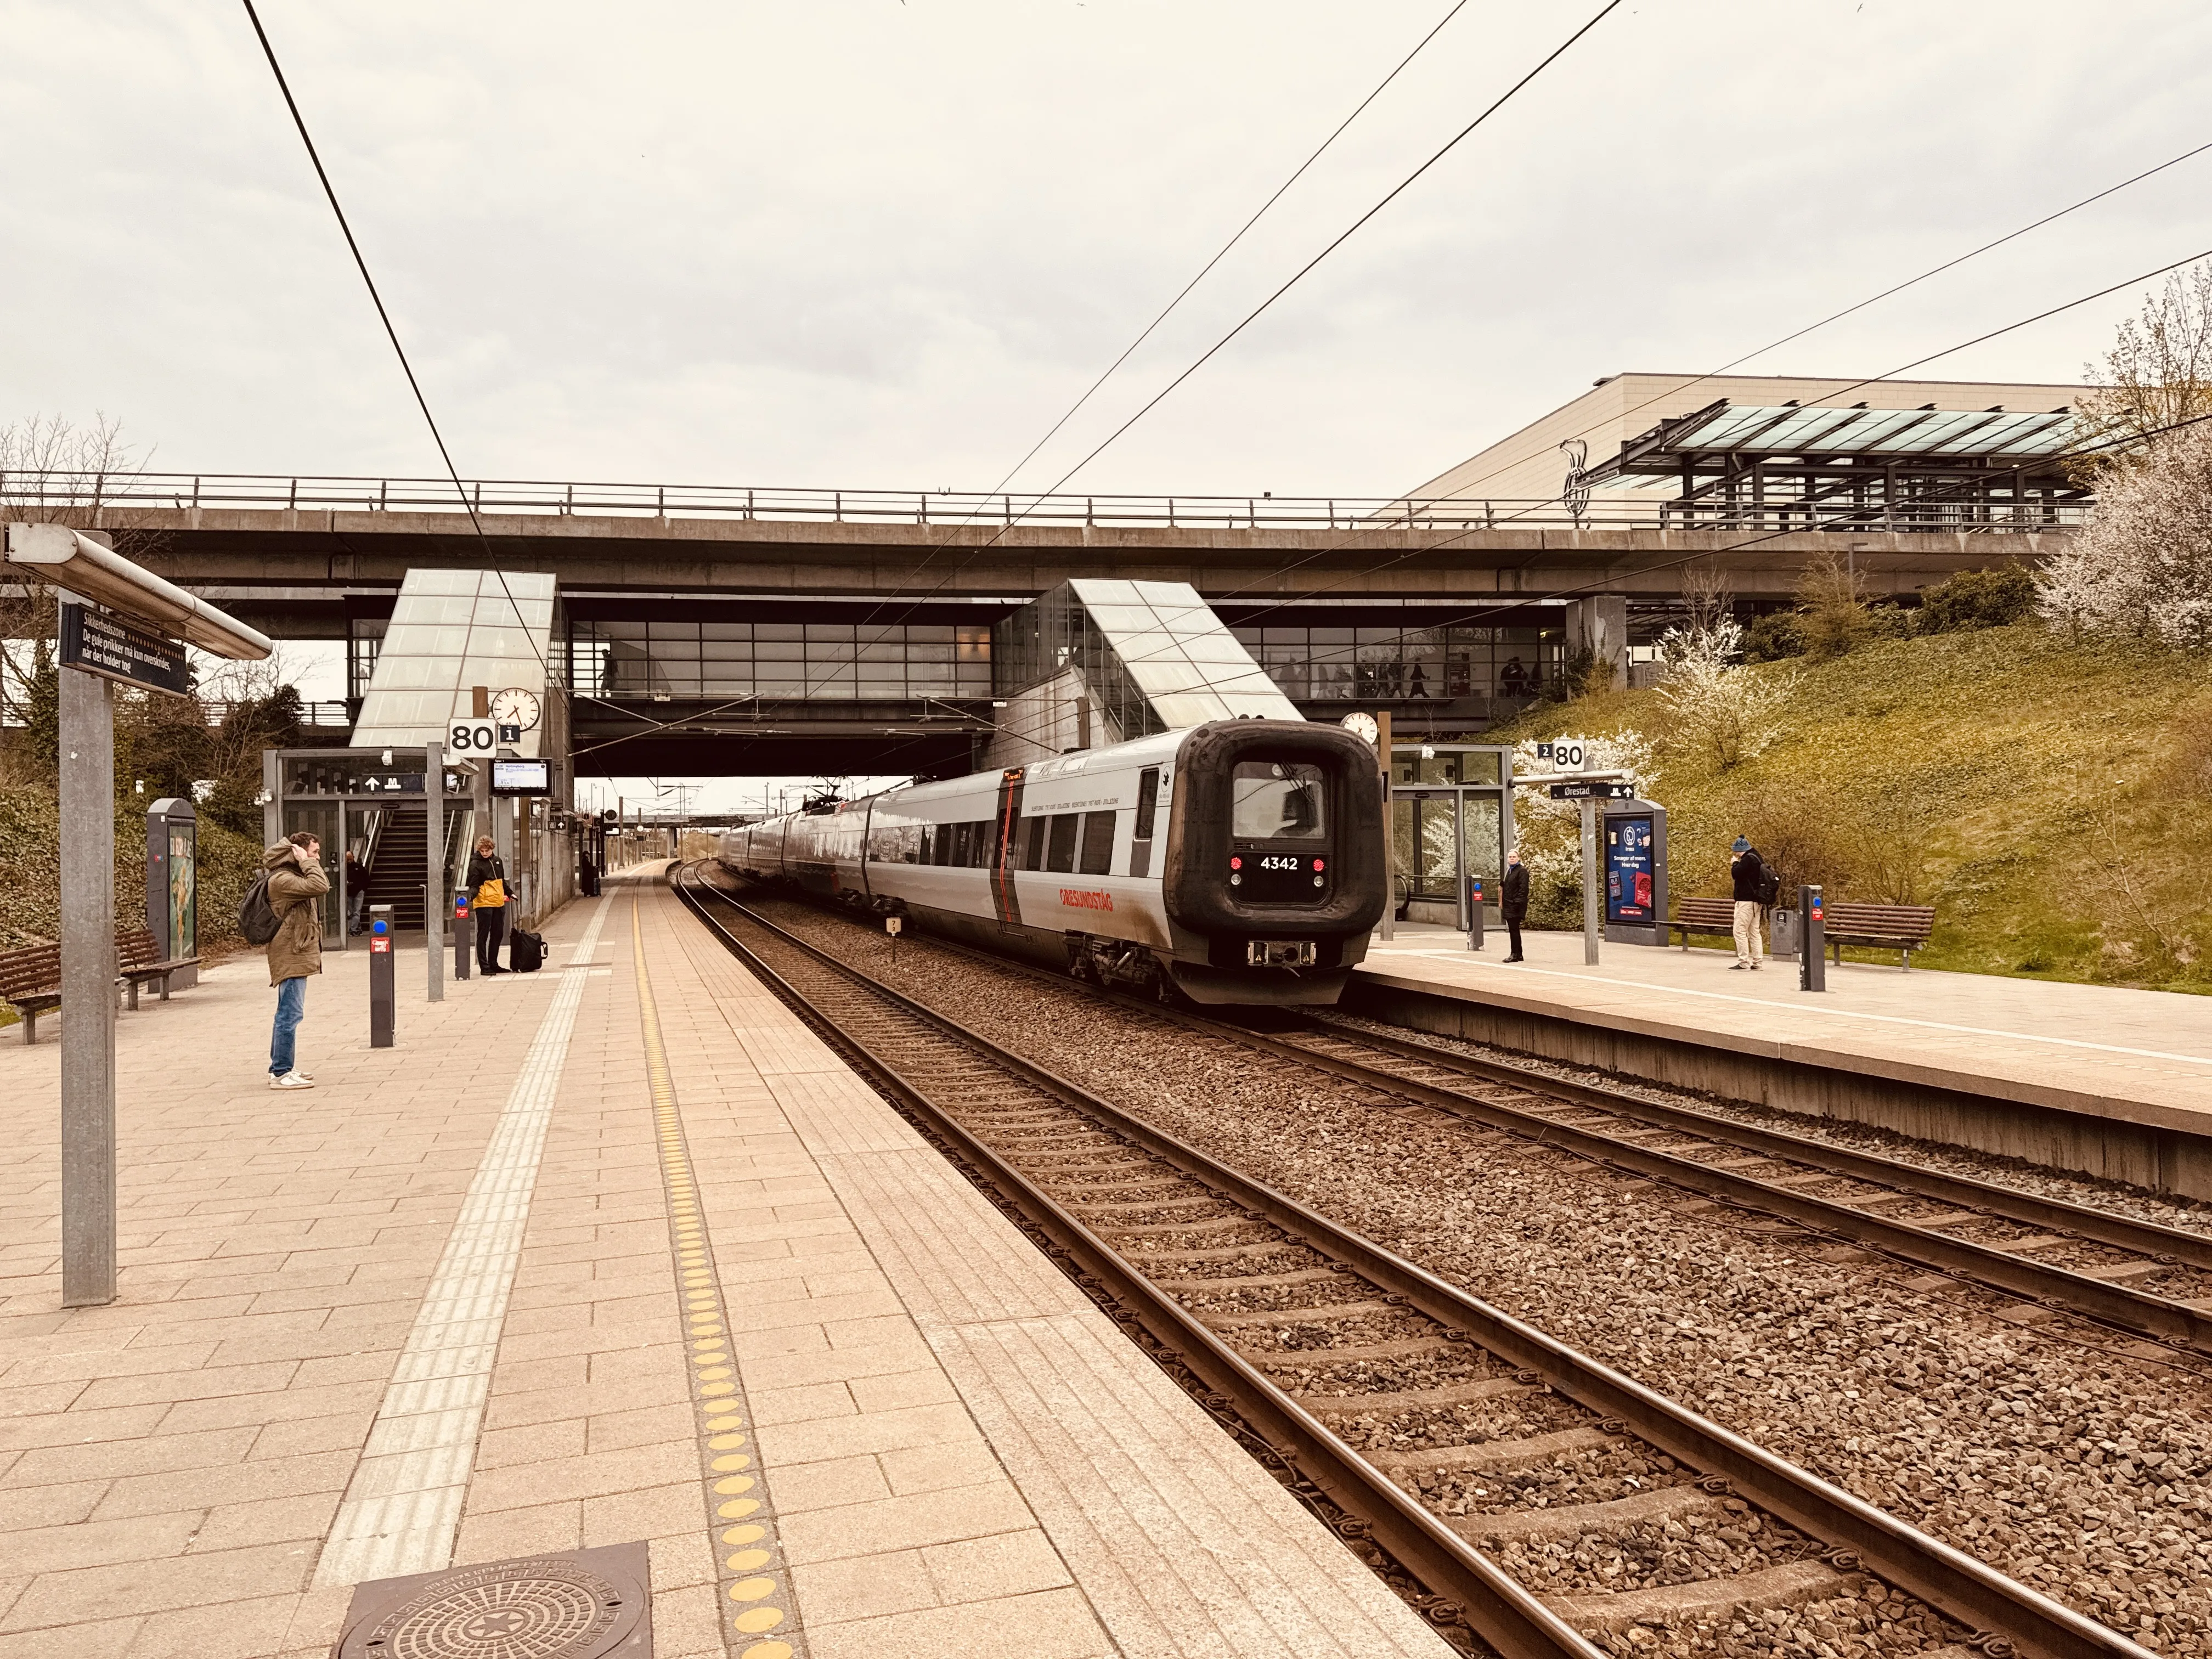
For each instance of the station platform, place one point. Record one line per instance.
(614, 1253)
(2099, 1079)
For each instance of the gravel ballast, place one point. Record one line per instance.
(2085, 1476)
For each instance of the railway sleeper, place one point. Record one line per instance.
(1392, 1405)
(1792, 1583)
(1315, 1315)
(1487, 1455)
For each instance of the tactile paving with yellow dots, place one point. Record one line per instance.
(755, 1593)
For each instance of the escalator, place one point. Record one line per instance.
(394, 855)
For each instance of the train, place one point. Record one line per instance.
(1240, 861)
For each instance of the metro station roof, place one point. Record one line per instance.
(1996, 438)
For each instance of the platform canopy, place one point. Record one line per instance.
(1821, 466)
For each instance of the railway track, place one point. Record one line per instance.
(2150, 1282)
(1444, 1439)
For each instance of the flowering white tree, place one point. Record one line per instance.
(2142, 565)
(1720, 707)
(1547, 832)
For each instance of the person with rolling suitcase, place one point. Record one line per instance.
(486, 881)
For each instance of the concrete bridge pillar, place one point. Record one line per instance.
(1599, 624)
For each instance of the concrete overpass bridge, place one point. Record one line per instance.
(692, 617)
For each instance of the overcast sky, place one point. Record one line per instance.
(871, 244)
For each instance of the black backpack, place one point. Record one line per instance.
(257, 918)
(525, 950)
(1770, 884)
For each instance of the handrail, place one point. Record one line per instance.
(948, 512)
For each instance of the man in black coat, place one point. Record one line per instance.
(1513, 903)
(1747, 872)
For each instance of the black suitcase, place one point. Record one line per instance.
(526, 952)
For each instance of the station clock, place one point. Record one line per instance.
(515, 706)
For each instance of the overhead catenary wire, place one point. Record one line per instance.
(1795, 335)
(1522, 601)
(1253, 316)
(392, 333)
(1204, 271)
(1146, 332)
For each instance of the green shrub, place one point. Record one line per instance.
(1771, 638)
(1977, 598)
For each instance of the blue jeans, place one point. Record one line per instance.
(291, 1004)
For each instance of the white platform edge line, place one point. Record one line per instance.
(403, 1506)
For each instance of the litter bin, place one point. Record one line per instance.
(1782, 934)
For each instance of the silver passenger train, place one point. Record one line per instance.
(1239, 861)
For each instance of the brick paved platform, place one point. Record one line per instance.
(614, 1252)
(2101, 1078)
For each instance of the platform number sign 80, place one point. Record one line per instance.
(1565, 754)
(465, 738)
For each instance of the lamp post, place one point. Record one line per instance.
(121, 624)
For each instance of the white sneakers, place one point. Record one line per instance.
(293, 1080)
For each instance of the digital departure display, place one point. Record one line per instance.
(521, 777)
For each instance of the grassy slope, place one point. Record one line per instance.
(2047, 798)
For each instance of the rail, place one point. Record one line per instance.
(950, 510)
(1464, 1585)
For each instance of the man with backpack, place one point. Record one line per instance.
(1753, 886)
(283, 910)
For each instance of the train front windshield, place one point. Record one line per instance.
(1278, 832)
(1276, 800)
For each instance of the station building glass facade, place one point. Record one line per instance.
(860, 661)
(1154, 655)
(451, 630)
(1494, 666)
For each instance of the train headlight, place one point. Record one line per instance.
(1236, 864)
(1236, 881)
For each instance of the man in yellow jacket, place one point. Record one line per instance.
(487, 883)
(297, 882)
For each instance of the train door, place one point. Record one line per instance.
(1005, 857)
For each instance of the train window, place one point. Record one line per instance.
(1033, 857)
(1148, 801)
(981, 838)
(1276, 800)
(1097, 857)
(1060, 854)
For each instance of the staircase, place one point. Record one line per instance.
(396, 877)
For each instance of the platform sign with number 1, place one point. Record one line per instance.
(470, 739)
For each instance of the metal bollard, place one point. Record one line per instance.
(1474, 913)
(383, 996)
(1812, 941)
(465, 935)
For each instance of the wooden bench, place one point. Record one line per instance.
(1901, 928)
(31, 977)
(1703, 916)
(139, 963)
(31, 981)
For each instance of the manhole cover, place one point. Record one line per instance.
(580, 1604)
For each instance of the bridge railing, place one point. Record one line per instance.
(952, 510)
